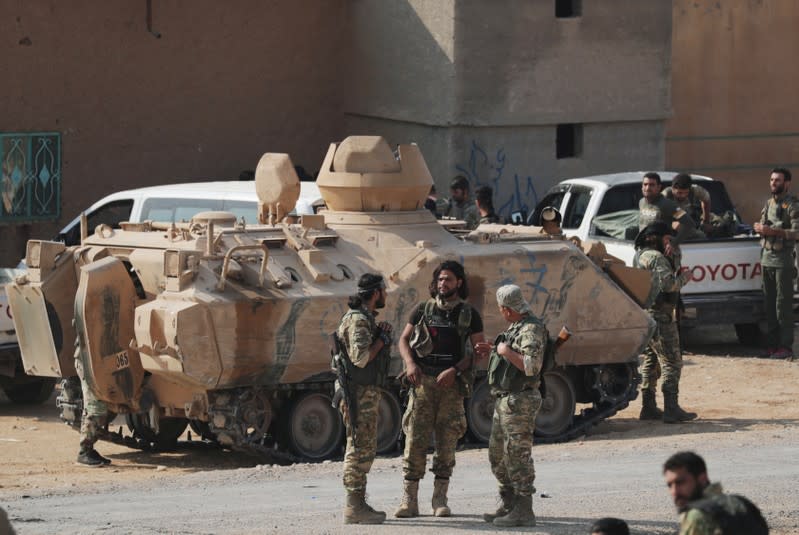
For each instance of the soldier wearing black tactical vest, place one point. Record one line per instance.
(704, 508)
(779, 230)
(361, 365)
(439, 383)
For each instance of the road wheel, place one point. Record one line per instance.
(311, 428)
(749, 334)
(389, 422)
(557, 408)
(480, 412)
(30, 390)
(169, 429)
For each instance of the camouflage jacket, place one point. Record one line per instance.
(667, 211)
(465, 211)
(665, 283)
(783, 213)
(716, 513)
(357, 331)
(527, 336)
(693, 204)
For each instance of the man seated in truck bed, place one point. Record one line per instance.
(694, 200)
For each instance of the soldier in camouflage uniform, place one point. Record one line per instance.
(655, 207)
(514, 376)
(704, 508)
(663, 352)
(435, 404)
(460, 206)
(364, 341)
(779, 230)
(94, 417)
(694, 200)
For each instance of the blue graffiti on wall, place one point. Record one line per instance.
(515, 193)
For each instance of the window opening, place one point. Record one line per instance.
(566, 9)
(568, 141)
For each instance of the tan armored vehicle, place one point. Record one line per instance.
(223, 324)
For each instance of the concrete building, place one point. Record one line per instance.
(515, 94)
(734, 94)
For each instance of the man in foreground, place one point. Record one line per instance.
(704, 508)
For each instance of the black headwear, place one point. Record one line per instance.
(370, 282)
(658, 228)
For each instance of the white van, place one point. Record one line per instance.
(179, 202)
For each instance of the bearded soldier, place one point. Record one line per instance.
(361, 364)
(437, 377)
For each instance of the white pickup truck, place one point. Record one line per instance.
(725, 288)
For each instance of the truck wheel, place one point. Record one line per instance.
(169, 429)
(311, 428)
(557, 408)
(33, 391)
(748, 333)
(480, 413)
(389, 422)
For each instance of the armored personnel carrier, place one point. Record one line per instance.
(222, 324)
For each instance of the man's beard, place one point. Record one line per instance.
(448, 294)
(778, 189)
(380, 303)
(695, 495)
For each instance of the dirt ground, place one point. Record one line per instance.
(722, 381)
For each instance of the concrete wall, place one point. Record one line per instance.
(224, 84)
(734, 94)
(478, 85)
(481, 85)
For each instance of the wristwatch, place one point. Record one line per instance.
(457, 371)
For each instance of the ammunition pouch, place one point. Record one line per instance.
(420, 340)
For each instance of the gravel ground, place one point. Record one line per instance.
(747, 433)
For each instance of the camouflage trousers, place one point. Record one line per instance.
(432, 411)
(662, 357)
(511, 442)
(95, 412)
(360, 452)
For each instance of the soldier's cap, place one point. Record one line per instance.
(459, 182)
(549, 214)
(658, 228)
(511, 296)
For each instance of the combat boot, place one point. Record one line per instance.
(649, 407)
(357, 511)
(440, 487)
(410, 502)
(673, 413)
(507, 496)
(90, 457)
(521, 514)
